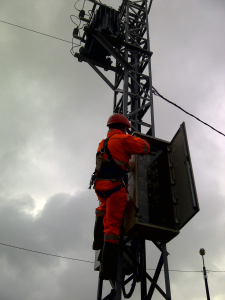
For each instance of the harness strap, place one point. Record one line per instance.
(107, 194)
(119, 174)
(111, 237)
(111, 159)
(118, 162)
(100, 213)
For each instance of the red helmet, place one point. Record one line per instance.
(118, 118)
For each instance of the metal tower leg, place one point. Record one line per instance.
(99, 292)
(119, 268)
(143, 266)
(166, 272)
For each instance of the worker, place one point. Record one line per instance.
(110, 183)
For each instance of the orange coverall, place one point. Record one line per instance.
(121, 147)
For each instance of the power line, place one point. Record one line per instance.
(158, 94)
(54, 37)
(183, 271)
(82, 260)
(215, 271)
(155, 92)
(47, 253)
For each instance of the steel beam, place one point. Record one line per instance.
(155, 278)
(166, 272)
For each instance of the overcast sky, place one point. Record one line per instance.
(53, 112)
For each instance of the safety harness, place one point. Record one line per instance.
(108, 169)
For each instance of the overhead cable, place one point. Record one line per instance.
(82, 260)
(184, 271)
(54, 37)
(47, 253)
(155, 92)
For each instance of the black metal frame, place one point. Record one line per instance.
(133, 95)
(138, 257)
(133, 98)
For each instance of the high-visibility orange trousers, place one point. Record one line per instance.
(112, 208)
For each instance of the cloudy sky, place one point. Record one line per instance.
(53, 112)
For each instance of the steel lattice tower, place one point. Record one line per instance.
(133, 98)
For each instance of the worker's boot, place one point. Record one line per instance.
(109, 261)
(98, 233)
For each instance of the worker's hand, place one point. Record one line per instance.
(132, 166)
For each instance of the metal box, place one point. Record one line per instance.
(162, 187)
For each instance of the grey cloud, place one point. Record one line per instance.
(53, 112)
(64, 227)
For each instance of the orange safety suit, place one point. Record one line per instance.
(121, 147)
